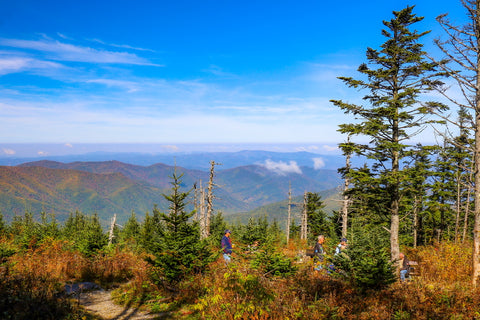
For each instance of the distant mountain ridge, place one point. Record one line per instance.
(109, 187)
(195, 160)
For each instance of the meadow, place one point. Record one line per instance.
(33, 279)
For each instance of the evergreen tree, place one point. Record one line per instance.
(417, 186)
(395, 76)
(294, 230)
(442, 196)
(85, 232)
(365, 263)
(180, 249)
(25, 230)
(317, 220)
(255, 230)
(462, 157)
(130, 233)
(217, 228)
(49, 226)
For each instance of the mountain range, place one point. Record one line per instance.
(108, 187)
(193, 160)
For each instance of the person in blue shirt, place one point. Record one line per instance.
(227, 246)
(405, 266)
(341, 246)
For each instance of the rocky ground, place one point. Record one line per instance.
(99, 303)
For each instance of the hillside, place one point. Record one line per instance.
(115, 187)
(62, 191)
(279, 210)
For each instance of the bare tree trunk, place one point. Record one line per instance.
(467, 204)
(476, 225)
(202, 213)
(304, 227)
(463, 51)
(289, 217)
(195, 201)
(210, 198)
(112, 227)
(415, 221)
(458, 206)
(345, 197)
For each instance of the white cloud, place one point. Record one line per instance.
(330, 148)
(171, 148)
(129, 85)
(68, 52)
(8, 151)
(282, 168)
(69, 145)
(14, 64)
(42, 153)
(125, 46)
(318, 163)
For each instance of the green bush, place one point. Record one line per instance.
(365, 264)
(271, 262)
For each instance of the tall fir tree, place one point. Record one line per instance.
(130, 233)
(417, 186)
(317, 220)
(395, 76)
(180, 249)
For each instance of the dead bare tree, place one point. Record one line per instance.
(462, 49)
(210, 197)
(112, 227)
(202, 213)
(289, 217)
(304, 224)
(347, 148)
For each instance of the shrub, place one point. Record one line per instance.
(365, 265)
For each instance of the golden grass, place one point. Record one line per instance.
(236, 291)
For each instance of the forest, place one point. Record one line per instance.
(419, 200)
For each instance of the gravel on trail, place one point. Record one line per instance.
(99, 303)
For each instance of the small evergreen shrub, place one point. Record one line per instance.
(365, 264)
(271, 262)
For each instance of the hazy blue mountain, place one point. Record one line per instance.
(197, 160)
(116, 187)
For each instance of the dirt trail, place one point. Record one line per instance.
(99, 303)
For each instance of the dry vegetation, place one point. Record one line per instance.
(32, 281)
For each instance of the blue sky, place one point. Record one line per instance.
(187, 72)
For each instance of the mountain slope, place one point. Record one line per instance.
(62, 191)
(279, 210)
(91, 187)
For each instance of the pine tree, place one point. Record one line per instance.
(442, 196)
(180, 249)
(130, 233)
(417, 187)
(395, 76)
(317, 220)
(85, 232)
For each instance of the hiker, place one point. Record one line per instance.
(227, 246)
(405, 266)
(341, 246)
(318, 253)
(252, 248)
